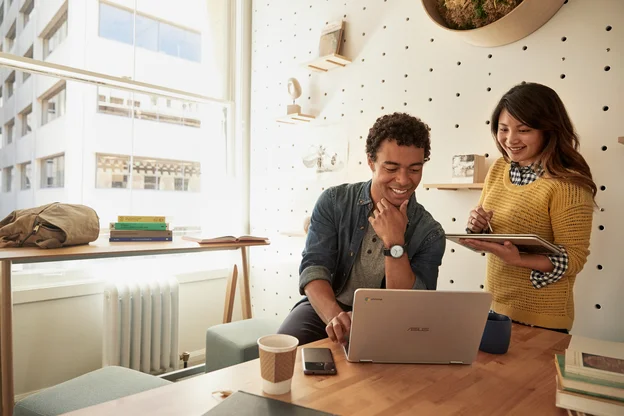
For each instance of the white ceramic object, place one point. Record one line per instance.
(525, 19)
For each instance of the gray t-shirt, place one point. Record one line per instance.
(368, 270)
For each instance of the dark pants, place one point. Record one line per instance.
(304, 323)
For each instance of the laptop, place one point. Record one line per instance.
(417, 326)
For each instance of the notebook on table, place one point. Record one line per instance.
(242, 403)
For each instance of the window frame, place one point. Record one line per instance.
(58, 88)
(43, 184)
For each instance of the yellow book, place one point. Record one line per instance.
(140, 218)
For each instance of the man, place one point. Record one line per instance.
(369, 234)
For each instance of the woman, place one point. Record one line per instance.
(542, 185)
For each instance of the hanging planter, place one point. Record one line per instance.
(491, 23)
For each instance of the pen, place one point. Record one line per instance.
(490, 227)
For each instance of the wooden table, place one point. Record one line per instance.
(521, 382)
(100, 249)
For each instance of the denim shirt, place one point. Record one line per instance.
(338, 226)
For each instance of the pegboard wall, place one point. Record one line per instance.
(401, 61)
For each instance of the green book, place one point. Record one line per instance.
(587, 385)
(148, 226)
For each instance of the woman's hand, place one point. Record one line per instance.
(479, 219)
(507, 252)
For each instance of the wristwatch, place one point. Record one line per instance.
(395, 251)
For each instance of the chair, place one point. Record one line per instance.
(235, 342)
(99, 386)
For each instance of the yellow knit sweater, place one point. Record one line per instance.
(557, 211)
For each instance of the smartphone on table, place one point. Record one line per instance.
(318, 361)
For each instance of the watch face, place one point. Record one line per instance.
(396, 251)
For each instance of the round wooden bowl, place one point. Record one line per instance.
(525, 19)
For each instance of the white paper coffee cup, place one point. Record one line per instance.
(277, 362)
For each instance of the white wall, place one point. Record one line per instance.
(58, 331)
(393, 45)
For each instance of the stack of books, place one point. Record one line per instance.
(140, 228)
(590, 377)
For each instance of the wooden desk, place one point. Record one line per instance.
(100, 249)
(521, 382)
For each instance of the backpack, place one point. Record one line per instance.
(50, 226)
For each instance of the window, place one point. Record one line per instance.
(10, 37)
(117, 24)
(28, 54)
(179, 42)
(147, 173)
(53, 172)
(9, 84)
(8, 128)
(53, 106)
(26, 120)
(56, 36)
(146, 33)
(27, 10)
(7, 176)
(147, 107)
(25, 175)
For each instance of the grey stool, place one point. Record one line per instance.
(235, 342)
(99, 386)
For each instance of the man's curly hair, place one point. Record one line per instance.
(406, 130)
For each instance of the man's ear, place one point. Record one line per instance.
(370, 162)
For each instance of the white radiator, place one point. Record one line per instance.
(141, 324)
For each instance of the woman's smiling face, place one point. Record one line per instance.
(521, 143)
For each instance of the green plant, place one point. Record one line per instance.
(472, 14)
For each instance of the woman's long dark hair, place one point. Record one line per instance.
(539, 107)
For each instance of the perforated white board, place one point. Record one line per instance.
(393, 46)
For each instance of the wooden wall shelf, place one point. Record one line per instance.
(328, 62)
(295, 118)
(454, 186)
(621, 140)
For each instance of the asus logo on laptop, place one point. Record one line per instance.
(418, 329)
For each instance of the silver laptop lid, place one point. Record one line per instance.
(417, 326)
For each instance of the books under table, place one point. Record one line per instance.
(204, 239)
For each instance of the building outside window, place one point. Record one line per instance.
(25, 175)
(147, 173)
(8, 129)
(28, 54)
(7, 176)
(27, 10)
(9, 84)
(53, 105)
(26, 119)
(10, 37)
(55, 37)
(53, 172)
(148, 107)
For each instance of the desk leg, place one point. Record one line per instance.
(245, 294)
(6, 338)
(230, 292)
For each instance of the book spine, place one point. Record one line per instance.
(140, 226)
(141, 233)
(137, 218)
(116, 239)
